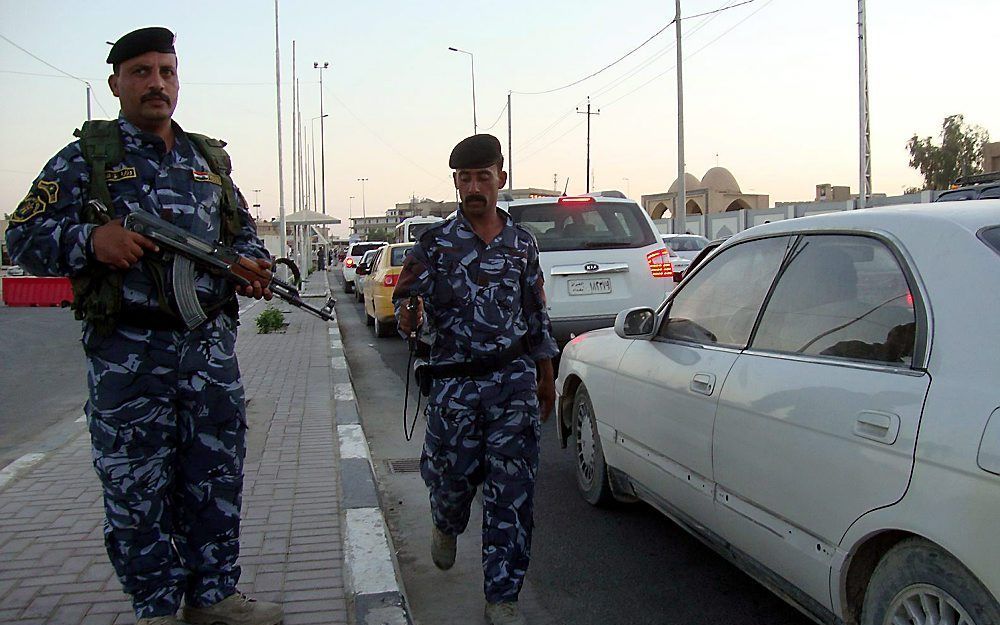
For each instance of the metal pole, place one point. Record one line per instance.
(363, 181)
(588, 114)
(322, 135)
(475, 126)
(295, 138)
(865, 180)
(88, 101)
(510, 149)
(281, 171)
(680, 205)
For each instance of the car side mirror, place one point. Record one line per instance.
(636, 323)
(362, 270)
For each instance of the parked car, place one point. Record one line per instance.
(686, 246)
(379, 310)
(361, 273)
(977, 187)
(351, 259)
(779, 405)
(600, 254)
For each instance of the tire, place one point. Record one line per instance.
(383, 328)
(917, 577)
(369, 320)
(348, 287)
(359, 296)
(591, 469)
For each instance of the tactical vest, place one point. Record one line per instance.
(97, 291)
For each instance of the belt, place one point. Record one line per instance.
(477, 367)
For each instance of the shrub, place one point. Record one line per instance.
(270, 320)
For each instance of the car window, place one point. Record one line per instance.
(594, 225)
(360, 248)
(720, 303)
(991, 236)
(990, 193)
(844, 297)
(685, 244)
(399, 255)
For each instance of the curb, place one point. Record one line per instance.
(372, 580)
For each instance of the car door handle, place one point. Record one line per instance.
(703, 383)
(877, 426)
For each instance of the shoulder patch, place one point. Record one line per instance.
(207, 176)
(29, 208)
(122, 173)
(50, 189)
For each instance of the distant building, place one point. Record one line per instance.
(991, 157)
(716, 192)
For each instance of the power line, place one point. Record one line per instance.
(632, 51)
(497, 120)
(50, 65)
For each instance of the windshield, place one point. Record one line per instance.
(686, 244)
(561, 227)
(417, 229)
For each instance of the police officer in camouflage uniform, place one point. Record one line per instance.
(166, 410)
(477, 280)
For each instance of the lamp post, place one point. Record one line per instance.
(322, 141)
(256, 202)
(472, 59)
(312, 130)
(363, 181)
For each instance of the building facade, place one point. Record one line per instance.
(716, 192)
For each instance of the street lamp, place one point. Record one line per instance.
(350, 201)
(256, 202)
(312, 130)
(472, 59)
(363, 181)
(322, 141)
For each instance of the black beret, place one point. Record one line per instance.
(476, 152)
(150, 39)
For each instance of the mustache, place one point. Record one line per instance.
(475, 197)
(155, 96)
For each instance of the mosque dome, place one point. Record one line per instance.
(720, 180)
(690, 182)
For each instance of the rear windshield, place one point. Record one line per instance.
(958, 194)
(417, 229)
(399, 255)
(560, 227)
(685, 244)
(991, 236)
(359, 249)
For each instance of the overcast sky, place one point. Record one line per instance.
(771, 88)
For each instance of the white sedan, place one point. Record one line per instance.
(819, 401)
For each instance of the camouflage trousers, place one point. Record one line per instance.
(168, 429)
(497, 448)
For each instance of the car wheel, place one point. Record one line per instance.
(359, 296)
(382, 328)
(348, 286)
(919, 582)
(591, 470)
(369, 320)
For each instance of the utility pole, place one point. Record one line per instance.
(865, 181)
(679, 217)
(589, 114)
(322, 138)
(555, 182)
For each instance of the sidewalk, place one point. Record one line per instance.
(313, 536)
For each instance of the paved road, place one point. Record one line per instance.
(43, 378)
(590, 566)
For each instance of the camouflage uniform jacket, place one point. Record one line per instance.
(479, 298)
(47, 237)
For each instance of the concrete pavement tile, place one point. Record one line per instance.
(69, 614)
(41, 606)
(18, 598)
(54, 579)
(327, 605)
(267, 582)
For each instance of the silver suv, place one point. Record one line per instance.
(600, 254)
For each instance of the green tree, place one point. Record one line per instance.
(960, 153)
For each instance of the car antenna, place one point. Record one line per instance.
(565, 186)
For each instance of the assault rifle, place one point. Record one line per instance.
(189, 251)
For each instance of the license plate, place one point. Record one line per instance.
(590, 287)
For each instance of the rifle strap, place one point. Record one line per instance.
(221, 165)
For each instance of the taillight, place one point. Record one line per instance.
(659, 264)
(349, 262)
(585, 199)
(390, 279)
(909, 299)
